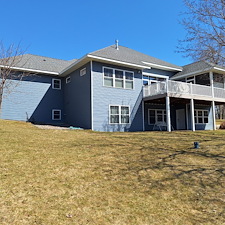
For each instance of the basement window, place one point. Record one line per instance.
(201, 116)
(119, 114)
(56, 114)
(156, 116)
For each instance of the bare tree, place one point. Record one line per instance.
(10, 76)
(204, 22)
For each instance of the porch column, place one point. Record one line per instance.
(211, 82)
(143, 115)
(168, 121)
(214, 115)
(192, 114)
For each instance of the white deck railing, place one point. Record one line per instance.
(177, 88)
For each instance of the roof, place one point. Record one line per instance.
(42, 63)
(128, 55)
(121, 56)
(197, 67)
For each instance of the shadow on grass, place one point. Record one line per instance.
(200, 172)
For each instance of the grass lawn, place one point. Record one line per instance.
(84, 177)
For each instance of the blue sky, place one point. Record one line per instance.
(71, 28)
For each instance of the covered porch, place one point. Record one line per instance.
(172, 113)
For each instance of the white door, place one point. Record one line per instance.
(180, 118)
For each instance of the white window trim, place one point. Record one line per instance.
(53, 84)
(197, 117)
(68, 80)
(156, 121)
(113, 77)
(152, 81)
(83, 71)
(119, 114)
(53, 112)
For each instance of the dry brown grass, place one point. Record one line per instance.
(83, 177)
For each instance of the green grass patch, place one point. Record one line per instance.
(84, 177)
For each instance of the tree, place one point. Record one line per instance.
(10, 59)
(204, 23)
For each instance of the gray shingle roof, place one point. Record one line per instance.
(196, 67)
(35, 62)
(128, 55)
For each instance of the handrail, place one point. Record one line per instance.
(177, 87)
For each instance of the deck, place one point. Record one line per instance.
(183, 90)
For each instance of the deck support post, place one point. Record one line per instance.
(214, 115)
(168, 121)
(192, 114)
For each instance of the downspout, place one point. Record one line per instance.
(92, 119)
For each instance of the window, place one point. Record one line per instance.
(68, 80)
(190, 80)
(147, 80)
(201, 116)
(119, 114)
(118, 78)
(83, 72)
(156, 115)
(56, 114)
(56, 84)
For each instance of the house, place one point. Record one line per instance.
(117, 89)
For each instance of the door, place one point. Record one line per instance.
(180, 119)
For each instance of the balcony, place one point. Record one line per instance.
(183, 90)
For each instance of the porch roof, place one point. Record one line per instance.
(197, 68)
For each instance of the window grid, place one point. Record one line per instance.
(156, 115)
(147, 80)
(119, 114)
(201, 116)
(118, 78)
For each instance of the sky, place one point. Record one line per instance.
(70, 29)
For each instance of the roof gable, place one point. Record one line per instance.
(128, 55)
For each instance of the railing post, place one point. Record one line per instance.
(167, 85)
(191, 88)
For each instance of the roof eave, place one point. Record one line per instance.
(31, 70)
(215, 69)
(118, 62)
(161, 67)
(87, 58)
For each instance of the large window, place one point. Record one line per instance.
(156, 116)
(118, 78)
(119, 114)
(201, 116)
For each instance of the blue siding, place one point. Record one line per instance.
(105, 96)
(33, 99)
(77, 99)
